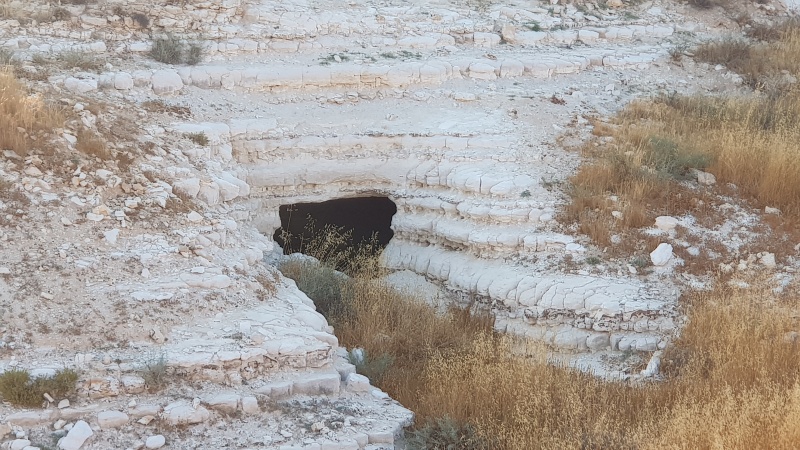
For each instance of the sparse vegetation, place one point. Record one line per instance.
(373, 367)
(446, 434)
(155, 373)
(198, 138)
(91, 144)
(749, 140)
(6, 57)
(79, 60)
(170, 49)
(160, 106)
(140, 19)
(533, 25)
(18, 388)
(23, 115)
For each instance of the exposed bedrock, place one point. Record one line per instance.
(467, 216)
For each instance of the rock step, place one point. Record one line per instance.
(247, 404)
(509, 211)
(486, 240)
(403, 44)
(241, 138)
(525, 297)
(381, 175)
(396, 74)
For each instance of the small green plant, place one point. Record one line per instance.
(666, 157)
(533, 25)
(154, 373)
(18, 388)
(6, 57)
(141, 20)
(446, 434)
(703, 4)
(677, 51)
(525, 194)
(198, 138)
(60, 14)
(411, 55)
(640, 263)
(372, 367)
(170, 49)
(593, 260)
(194, 54)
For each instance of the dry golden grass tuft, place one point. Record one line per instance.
(23, 117)
(91, 144)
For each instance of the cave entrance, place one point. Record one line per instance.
(338, 230)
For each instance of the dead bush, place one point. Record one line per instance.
(23, 115)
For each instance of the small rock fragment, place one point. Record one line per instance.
(156, 441)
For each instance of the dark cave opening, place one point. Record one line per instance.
(361, 222)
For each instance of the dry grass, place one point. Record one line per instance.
(649, 150)
(91, 144)
(731, 379)
(23, 117)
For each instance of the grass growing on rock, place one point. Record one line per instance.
(646, 153)
(730, 380)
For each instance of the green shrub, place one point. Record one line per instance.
(198, 138)
(170, 49)
(6, 57)
(81, 60)
(17, 387)
(155, 374)
(194, 55)
(372, 367)
(446, 434)
(667, 158)
(322, 284)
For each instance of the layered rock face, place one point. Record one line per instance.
(459, 113)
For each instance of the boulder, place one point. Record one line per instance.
(661, 255)
(123, 81)
(77, 86)
(182, 413)
(166, 82)
(666, 223)
(227, 403)
(358, 383)
(189, 187)
(77, 435)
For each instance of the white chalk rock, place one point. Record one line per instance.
(77, 86)
(156, 441)
(768, 260)
(182, 413)
(123, 81)
(666, 223)
(358, 383)
(189, 187)
(166, 82)
(661, 255)
(77, 435)
(111, 236)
